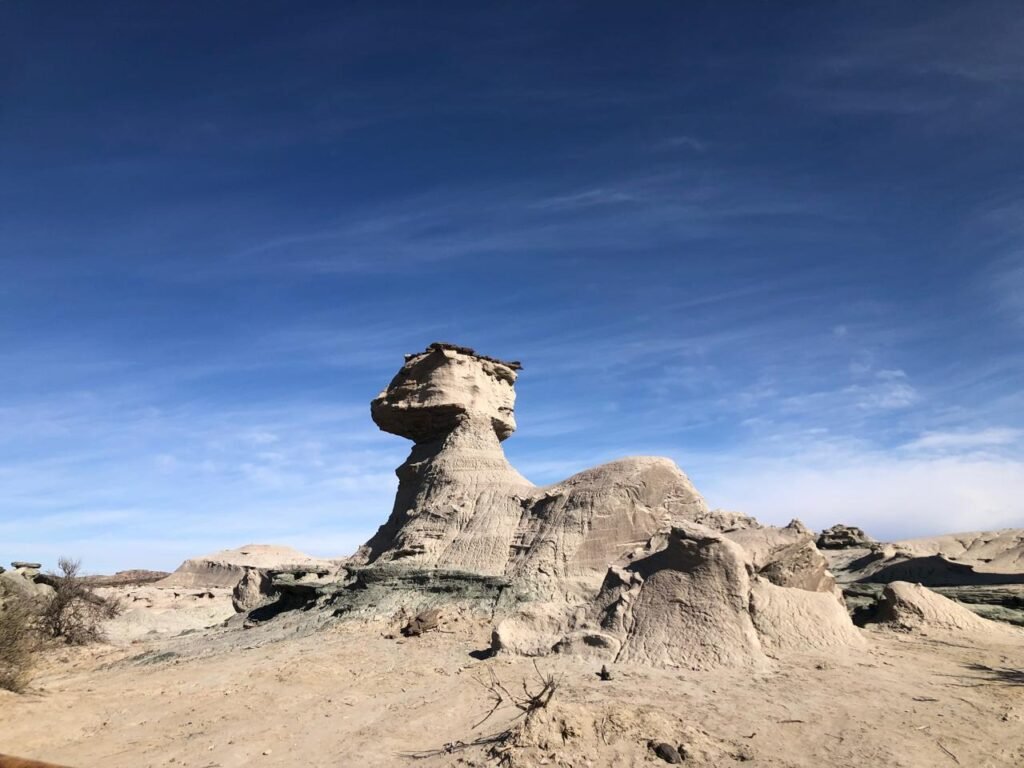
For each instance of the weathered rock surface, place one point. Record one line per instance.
(843, 537)
(913, 607)
(797, 620)
(462, 506)
(227, 567)
(685, 605)
(252, 590)
(693, 601)
(467, 527)
(786, 556)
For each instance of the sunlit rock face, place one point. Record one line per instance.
(621, 562)
(459, 500)
(462, 506)
(444, 387)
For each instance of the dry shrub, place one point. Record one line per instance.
(18, 642)
(75, 613)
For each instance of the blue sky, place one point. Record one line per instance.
(782, 245)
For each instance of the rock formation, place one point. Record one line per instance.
(462, 506)
(843, 537)
(786, 556)
(696, 601)
(912, 607)
(252, 590)
(226, 568)
(620, 562)
(24, 581)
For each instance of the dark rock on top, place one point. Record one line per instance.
(843, 537)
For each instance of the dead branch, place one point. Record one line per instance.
(528, 702)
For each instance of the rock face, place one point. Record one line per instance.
(696, 602)
(686, 605)
(252, 590)
(620, 562)
(843, 537)
(462, 506)
(786, 556)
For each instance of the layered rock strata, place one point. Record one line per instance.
(462, 506)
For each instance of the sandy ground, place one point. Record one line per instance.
(346, 694)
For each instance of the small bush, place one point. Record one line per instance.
(18, 642)
(75, 613)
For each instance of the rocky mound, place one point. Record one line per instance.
(693, 601)
(912, 607)
(227, 567)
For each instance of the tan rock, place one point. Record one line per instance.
(227, 567)
(462, 506)
(252, 590)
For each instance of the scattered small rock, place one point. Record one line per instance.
(425, 621)
(743, 753)
(666, 752)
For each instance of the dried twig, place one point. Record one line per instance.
(526, 703)
(943, 748)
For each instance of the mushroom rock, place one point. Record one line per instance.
(621, 562)
(459, 499)
(462, 506)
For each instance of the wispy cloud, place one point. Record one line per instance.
(993, 437)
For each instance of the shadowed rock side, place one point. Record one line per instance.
(462, 506)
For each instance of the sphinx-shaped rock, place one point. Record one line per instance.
(619, 562)
(462, 506)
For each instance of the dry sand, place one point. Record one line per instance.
(346, 694)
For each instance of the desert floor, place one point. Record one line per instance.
(348, 694)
